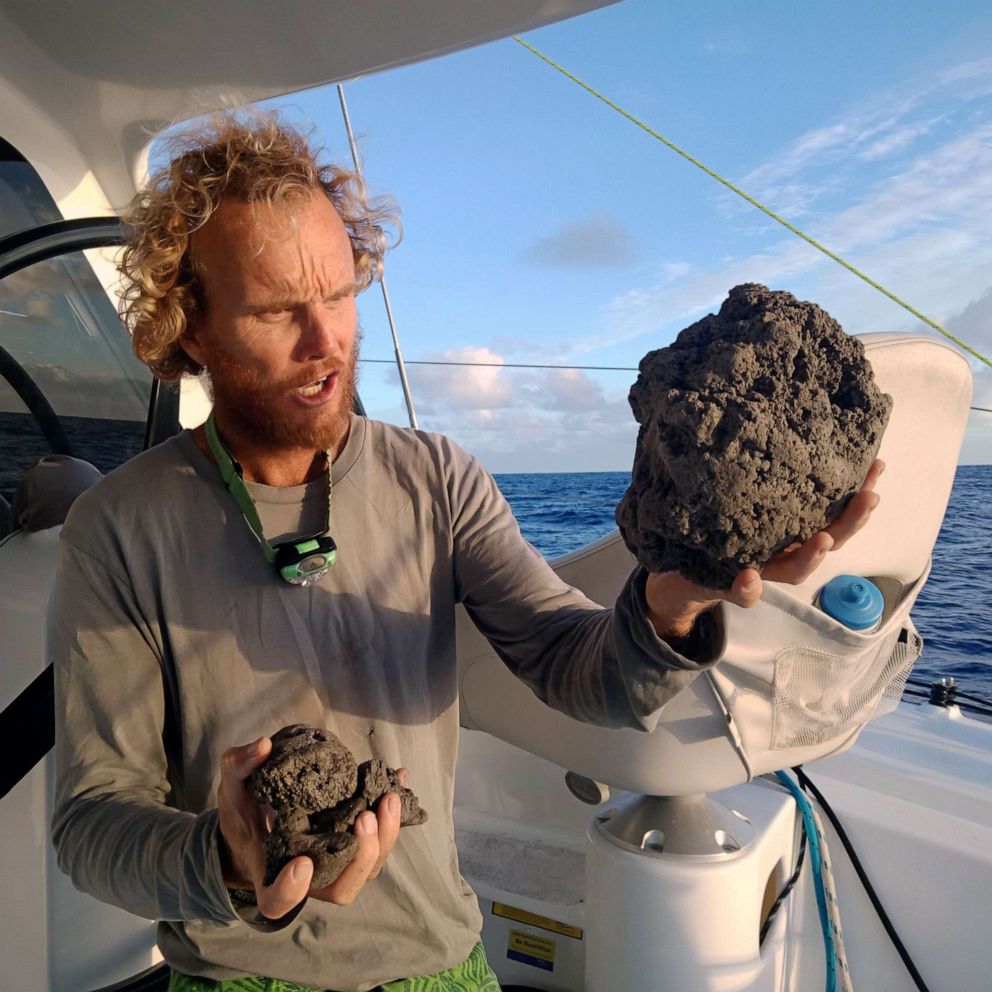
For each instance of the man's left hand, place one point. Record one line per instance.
(376, 833)
(674, 603)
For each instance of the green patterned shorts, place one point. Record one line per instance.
(473, 975)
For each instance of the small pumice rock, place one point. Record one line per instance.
(308, 769)
(375, 779)
(330, 850)
(318, 791)
(757, 425)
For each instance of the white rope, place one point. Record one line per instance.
(833, 906)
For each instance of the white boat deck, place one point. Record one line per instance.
(914, 795)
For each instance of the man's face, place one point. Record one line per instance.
(279, 333)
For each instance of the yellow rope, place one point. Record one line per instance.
(755, 203)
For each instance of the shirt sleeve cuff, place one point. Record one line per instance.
(239, 904)
(654, 671)
(700, 648)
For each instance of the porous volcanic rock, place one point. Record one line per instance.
(308, 769)
(757, 425)
(331, 850)
(375, 779)
(317, 790)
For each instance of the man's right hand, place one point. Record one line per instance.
(244, 825)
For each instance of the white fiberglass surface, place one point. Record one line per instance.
(88, 75)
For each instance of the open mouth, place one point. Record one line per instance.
(317, 388)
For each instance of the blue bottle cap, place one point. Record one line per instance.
(853, 601)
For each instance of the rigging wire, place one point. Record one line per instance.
(407, 395)
(536, 365)
(754, 203)
(512, 365)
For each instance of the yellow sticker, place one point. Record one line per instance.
(536, 951)
(522, 916)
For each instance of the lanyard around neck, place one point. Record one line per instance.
(231, 473)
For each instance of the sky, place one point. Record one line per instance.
(540, 227)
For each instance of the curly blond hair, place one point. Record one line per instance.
(253, 157)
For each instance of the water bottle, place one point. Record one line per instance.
(853, 601)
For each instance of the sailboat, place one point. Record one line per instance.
(604, 860)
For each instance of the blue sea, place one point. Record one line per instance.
(560, 512)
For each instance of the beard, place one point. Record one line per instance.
(254, 405)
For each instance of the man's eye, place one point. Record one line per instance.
(275, 314)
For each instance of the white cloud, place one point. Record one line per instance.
(895, 140)
(951, 183)
(515, 419)
(923, 232)
(978, 69)
(827, 158)
(822, 145)
(462, 387)
(571, 390)
(901, 186)
(908, 180)
(661, 309)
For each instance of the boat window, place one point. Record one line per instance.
(63, 337)
(24, 201)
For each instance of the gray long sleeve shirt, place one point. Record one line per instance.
(174, 640)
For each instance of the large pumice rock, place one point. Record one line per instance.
(312, 782)
(757, 425)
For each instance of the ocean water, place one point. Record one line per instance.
(103, 443)
(560, 512)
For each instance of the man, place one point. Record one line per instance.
(177, 640)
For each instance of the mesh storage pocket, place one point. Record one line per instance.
(819, 696)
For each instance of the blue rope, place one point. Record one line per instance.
(816, 862)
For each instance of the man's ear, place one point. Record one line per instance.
(191, 342)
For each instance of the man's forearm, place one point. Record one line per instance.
(148, 859)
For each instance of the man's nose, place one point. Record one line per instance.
(322, 333)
